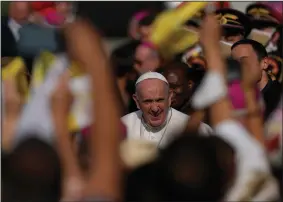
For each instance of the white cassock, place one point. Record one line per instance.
(175, 124)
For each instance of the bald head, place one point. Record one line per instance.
(177, 76)
(179, 68)
(20, 11)
(146, 59)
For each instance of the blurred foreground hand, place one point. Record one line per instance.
(61, 102)
(210, 33)
(12, 108)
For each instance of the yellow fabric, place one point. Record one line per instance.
(41, 67)
(228, 18)
(169, 23)
(16, 70)
(179, 42)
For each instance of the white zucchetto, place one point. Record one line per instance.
(151, 75)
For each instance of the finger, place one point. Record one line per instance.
(210, 8)
(10, 86)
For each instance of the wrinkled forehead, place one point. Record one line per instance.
(152, 87)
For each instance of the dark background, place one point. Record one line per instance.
(112, 17)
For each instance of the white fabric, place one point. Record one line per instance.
(151, 75)
(252, 164)
(269, 191)
(81, 107)
(212, 88)
(36, 117)
(135, 153)
(14, 27)
(176, 125)
(172, 4)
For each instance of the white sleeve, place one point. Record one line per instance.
(252, 164)
(250, 152)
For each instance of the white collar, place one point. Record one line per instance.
(14, 24)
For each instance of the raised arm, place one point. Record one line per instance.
(85, 46)
(72, 176)
(252, 165)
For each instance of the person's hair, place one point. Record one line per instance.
(144, 178)
(176, 65)
(148, 20)
(257, 47)
(34, 171)
(190, 169)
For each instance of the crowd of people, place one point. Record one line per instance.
(189, 109)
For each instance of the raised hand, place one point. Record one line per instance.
(210, 33)
(62, 98)
(12, 99)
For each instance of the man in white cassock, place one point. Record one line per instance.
(156, 121)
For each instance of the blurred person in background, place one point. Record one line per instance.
(269, 89)
(181, 83)
(146, 59)
(32, 173)
(253, 170)
(52, 13)
(144, 28)
(265, 16)
(122, 61)
(19, 13)
(191, 168)
(235, 24)
(267, 21)
(155, 120)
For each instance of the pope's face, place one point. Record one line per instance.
(154, 100)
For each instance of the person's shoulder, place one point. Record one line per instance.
(179, 115)
(131, 116)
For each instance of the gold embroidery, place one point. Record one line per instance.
(228, 18)
(259, 13)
